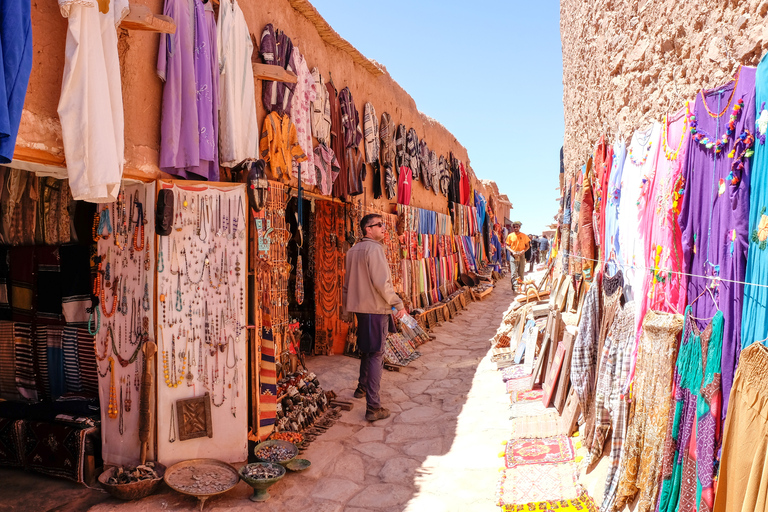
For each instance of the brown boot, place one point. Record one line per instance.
(359, 392)
(376, 414)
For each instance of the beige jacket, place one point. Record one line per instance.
(367, 283)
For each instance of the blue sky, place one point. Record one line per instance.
(489, 71)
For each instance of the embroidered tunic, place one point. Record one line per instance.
(613, 201)
(91, 103)
(321, 110)
(714, 218)
(303, 95)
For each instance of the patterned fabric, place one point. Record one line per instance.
(5, 305)
(401, 158)
(551, 450)
(10, 448)
(607, 352)
(327, 168)
(25, 365)
(303, 96)
(279, 144)
(7, 362)
(693, 437)
(276, 49)
(413, 152)
(48, 266)
(434, 172)
(543, 425)
(267, 383)
(55, 449)
(444, 171)
(75, 283)
(72, 380)
(649, 413)
(350, 119)
(23, 283)
(538, 483)
(424, 163)
(86, 356)
(320, 110)
(584, 358)
(371, 133)
(622, 336)
(387, 154)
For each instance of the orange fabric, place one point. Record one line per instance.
(279, 144)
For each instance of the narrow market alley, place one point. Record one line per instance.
(438, 451)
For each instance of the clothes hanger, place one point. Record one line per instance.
(708, 289)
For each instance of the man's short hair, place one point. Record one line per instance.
(366, 221)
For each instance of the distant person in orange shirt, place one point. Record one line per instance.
(517, 243)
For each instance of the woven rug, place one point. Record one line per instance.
(536, 484)
(513, 372)
(545, 425)
(520, 409)
(519, 384)
(531, 451)
(531, 395)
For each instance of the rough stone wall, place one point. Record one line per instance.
(627, 62)
(142, 90)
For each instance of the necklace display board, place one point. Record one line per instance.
(123, 318)
(201, 318)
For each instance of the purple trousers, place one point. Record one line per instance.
(371, 333)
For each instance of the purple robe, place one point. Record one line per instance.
(188, 64)
(714, 218)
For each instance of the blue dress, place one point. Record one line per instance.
(16, 54)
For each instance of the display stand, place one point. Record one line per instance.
(201, 316)
(125, 316)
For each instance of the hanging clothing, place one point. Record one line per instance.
(584, 359)
(649, 411)
(16, 54)
(238, 128)
(621, 337)
(303, 95)
(638, 170)
(608, 351)
(387, 154)
(663, 287)
(603, 159)
(404, 186)
(465, 193)
(91, 103)
(187, 64)
(754, 319)
(371, 134)
(337, 141)
(693, 440)
(277, 50)
(327, 168)
(321, 110)
(444, 172)
(279, 144)
(424, 163)
(589, 252)
(613, 201)
(714, 218)
(743, 464)
(412, 152)
(434, 173)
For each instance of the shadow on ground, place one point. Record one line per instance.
(438, 451)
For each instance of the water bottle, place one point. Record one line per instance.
(407, 320)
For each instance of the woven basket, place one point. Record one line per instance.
(462, 301)
(432, 317)
(422, 321)
(452, 308)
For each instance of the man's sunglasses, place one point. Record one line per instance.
(377, 225)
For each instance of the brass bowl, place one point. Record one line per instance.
(133, 490)
(294, 450)
(261, 485)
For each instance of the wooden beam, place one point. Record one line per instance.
(141, 18)
(273, 72)
(38, 156)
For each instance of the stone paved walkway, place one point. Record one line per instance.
(438, 451)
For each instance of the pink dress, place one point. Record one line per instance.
(662, 290)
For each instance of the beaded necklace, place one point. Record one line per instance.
(672, 155)
(645, 156)
(702, 138)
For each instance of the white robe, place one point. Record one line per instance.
(238, 127)
(91, 102)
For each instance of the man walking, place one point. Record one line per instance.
(517, 243)
(534, 251)
(368, 293)
(543, 249)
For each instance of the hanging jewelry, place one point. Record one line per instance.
(112, 406)
(127, 394)
(172, 382)
(172, 433)
(179, 306)
(124, 300)
(160, 261)
(174, 255)
(115, 288)
(120, 425)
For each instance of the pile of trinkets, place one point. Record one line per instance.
(212, 481)
(275, 453)
(303, 402)
(291, 437)
(261, 471)
(130, 475)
